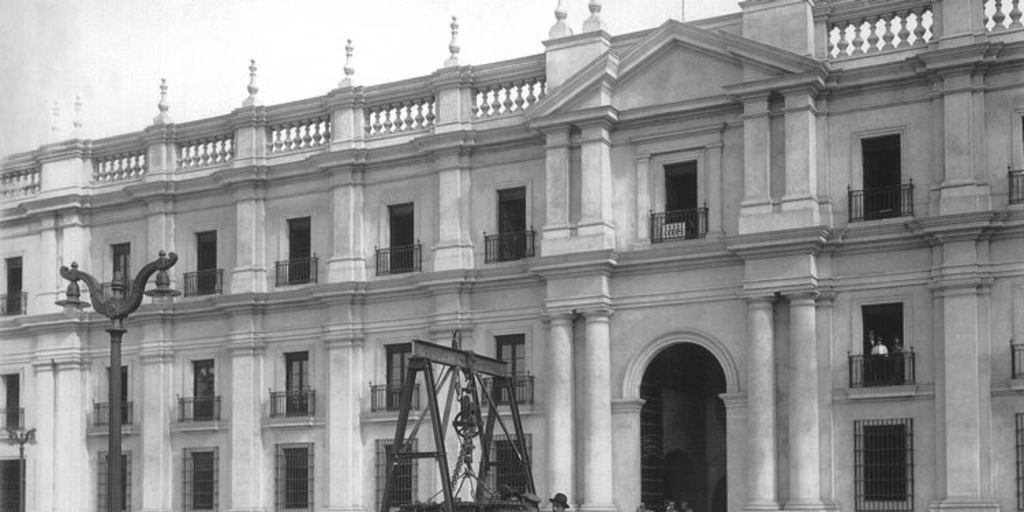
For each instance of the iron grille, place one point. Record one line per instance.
(126, 481)
(204, 282)
(679, 224)
(522, 390)
(1016, 186)
(404, 489)
(199, 479)
(13, 303)
(652, 479)
(1016, 360)
(508, 246)
(101, 413)
(300, 402)
(199, 408)
(881, 202)
(293, 483)
(884, 464)
(388, 397)
(297, 271)
(399, 260)
(504, 466)
(1020, 461)
(868, 371)
(13, 417)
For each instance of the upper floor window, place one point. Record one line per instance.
(299, 238)
(14, 299)
(513, 241)
(301, 265)
(683, 217)
(13, 414)
(206, 279)
(884, 464)
(401, 222)
(681, 186)
(403, 254)
(205, 405)
(121, 257)
(884, 360)
(883, 194)
(298, 397)
(512, 350)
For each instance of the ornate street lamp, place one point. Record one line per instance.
(117, 307)
(21, 437)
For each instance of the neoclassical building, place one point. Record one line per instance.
(769, 260)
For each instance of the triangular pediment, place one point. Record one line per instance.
(673, 64)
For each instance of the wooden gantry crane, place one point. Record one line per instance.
(468, 397)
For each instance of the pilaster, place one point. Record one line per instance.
(161, 151)
(344, 439)
(250, 125)
(250, 273)
(756, 171)
(800, 204)
(156, 406)
(556, 229)
(454, 248)
(347, 118)
(348, 260)
(596, 186)
(61, 456)
(454, 92)
(964, 188)
(246, 349)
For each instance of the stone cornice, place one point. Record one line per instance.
(591, 263)
(809, 82)
(944, 62)
(601, 114)
(64, 150)
(455, 141)
(959, 227)
(788, 242)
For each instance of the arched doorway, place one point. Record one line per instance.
(682, 430)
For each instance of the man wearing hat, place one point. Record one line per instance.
(559, 503)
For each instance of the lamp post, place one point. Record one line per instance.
(117, 307)
(21, 437)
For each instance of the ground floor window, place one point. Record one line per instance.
(403, 491)
(199, 479)
(126, 482)
(1020, 461)
(884, 464)
(294, 477)
(506, 471)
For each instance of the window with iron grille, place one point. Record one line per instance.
(199, 479)
(884, 464)
(294, 477)
(126, 482)
(504, 466)
(404, 490)
(1020, 461)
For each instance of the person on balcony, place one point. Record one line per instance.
(877, 347)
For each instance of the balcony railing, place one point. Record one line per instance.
(388, 397)
(13, 303)
(204, 282)
(508, 246)
(399, 260)
(882, 202)
(522, 390)
(101, 413)
(679, 224)
(1016, 186)
(294, 403)
(297, 271)
(198, 408)
(13, 418)
(895, 369)
(1017, 360)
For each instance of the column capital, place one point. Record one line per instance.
(598, 314)
(803, 297)
(760, 301)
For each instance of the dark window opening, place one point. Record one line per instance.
(200, 479)
(883, 325)
(403, 491)
(1020, 460)
(294, 477)
(884, 464)
(122, 261)
(512, 210)
(882, 194)
(297, 384)
(13, 415)
(401, 222)
(10, 485)
(126, 482)
(206, 250)
(14, 303)
(681, 186)
(203, 379)
(512, 350)
(299, 238)
(206, 280)
(398, 364)
(507, 471)
(301, 266)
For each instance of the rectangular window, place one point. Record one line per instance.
(14, 303)
(681, 186)
(403, 491)
(206, 250)
(512, 210)
(121, 256)
(882, 194)
(299, 238)
(512, 350)
(294, 482)
(683, 218)
(126, 481)
(398, 364)
(884, 464)
(203, 390)
(10, 484)
(1020, 461)
(296, 383)
(13, 416)
(403, 227)
(507, 463)
(206, 280)
(199, 479)
(885, 362)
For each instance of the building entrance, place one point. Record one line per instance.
(682, 431)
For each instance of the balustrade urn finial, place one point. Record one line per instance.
(163, 117)
(454, 47)
(594, 22)
(349, 70)
(252, 100)
(560, 28)
(78, 114)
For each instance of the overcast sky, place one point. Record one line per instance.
(113, 53)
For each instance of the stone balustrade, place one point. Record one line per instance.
(214, 150)
(1002, 14)
(511, 97)
(119, 166)
(299, 134)
(884, 27)
(20, 182)
(400, 116)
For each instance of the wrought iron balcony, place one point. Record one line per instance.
(294, 403)
(388, 397)
(198, 408)
(508, 246)
(13, 418)
(522, 390)
(101, 413)
(679, 224)
(881, 202)
(399, 260)
(895, 369)
(13, 303)
(204, 282)
(1017, 360)
(1016, 186)
(297, 271)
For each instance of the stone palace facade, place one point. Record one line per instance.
(766, 260)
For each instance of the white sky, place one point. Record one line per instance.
(113, 53)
